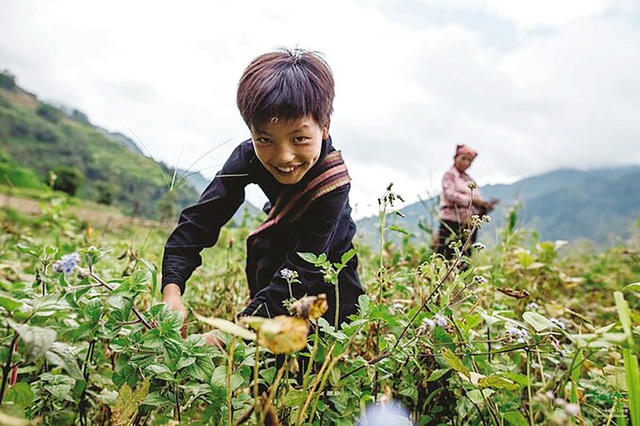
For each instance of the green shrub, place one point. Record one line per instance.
(67, 179)
(49, 112)
(7, 80)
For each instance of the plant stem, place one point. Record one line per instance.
(307, 373)
(229, 371)
(135, 310)
(337, 285)
(529, 391)
(301, 415)
(6, 369)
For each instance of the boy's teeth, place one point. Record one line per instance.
(286, 169)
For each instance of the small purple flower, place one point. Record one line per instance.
(288, 274)
(440, 319)
(67, 263)
(533, 306)
(429, 324)
(516, 333)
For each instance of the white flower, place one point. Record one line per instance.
(478, 246)
(480, 279)
(533, 306)
(557, 322)
(572, 409)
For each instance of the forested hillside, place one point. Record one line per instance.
(41, 144)
(600, 205)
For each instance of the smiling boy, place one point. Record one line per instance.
(286, 99)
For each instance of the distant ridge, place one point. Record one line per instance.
(598, 205)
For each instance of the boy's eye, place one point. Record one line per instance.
(300, 139)
(263, 140)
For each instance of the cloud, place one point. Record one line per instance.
(532, 85)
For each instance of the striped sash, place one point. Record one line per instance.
(289, 206)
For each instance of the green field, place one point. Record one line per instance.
(530, 333)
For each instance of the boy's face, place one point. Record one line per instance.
(289, 149)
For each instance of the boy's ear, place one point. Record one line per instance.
(325, 131)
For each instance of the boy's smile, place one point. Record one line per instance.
(289, 149)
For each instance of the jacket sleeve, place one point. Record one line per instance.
(455, 190)
(322, 232)
(199, 225)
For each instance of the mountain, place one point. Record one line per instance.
(61, 147)
(600, 205)
(43, 144)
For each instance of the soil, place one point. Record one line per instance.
(93, 217)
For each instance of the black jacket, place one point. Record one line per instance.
(324, 227)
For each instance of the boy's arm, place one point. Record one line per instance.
(172, 296)
(199, 227)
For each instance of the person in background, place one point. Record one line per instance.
(286, 99)
(460, 199)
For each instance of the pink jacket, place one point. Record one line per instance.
(455, 201)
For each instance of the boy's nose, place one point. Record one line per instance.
(285, 155)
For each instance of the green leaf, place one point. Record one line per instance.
(515, 418)
(436, 374)
(185, 362)
(518, 378)
(160, 371)
(632, 287)
(219, 376)
(478, 395)
(537, 321)
(9, 303)
(94, 309)
(37, 340)
(398, 229)
(228, 327)
(45, 306)
(452, 361)
(268, 374)
(62, 355)
(236, 381)
(497, 382)
(20, 394)
(346, 257)
(294, 398)
(152, 339)
(155, 399)
(309, 257)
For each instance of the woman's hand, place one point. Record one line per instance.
(172, 296)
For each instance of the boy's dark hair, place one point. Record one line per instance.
(286, 85)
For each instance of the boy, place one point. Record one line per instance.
(286, 99)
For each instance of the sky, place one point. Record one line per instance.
(532, 86)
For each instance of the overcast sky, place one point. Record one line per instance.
(531, 85)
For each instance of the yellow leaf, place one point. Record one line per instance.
(228, 327)
(312, 307)
(282, 334)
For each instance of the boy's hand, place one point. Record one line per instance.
(172, 296)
